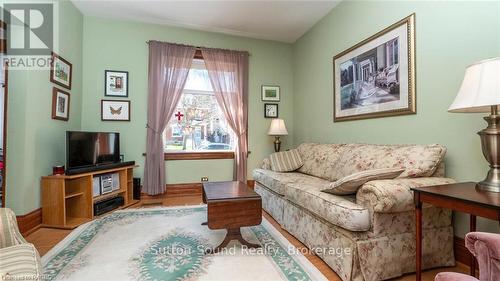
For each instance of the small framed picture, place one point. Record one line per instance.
(115, 110)
(271, 110)
(60, 104)
(270, 93)
(116, 83)
(61, 71)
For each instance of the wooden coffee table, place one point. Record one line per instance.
(231, 205)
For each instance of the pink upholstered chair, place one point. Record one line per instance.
(486, 248)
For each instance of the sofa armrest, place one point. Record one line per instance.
(485, 244)
(391, 196)
(11, 234)
(20, 262)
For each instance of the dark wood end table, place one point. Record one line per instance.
(460, 197)
(231, 205)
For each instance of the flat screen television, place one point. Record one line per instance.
(91, 149)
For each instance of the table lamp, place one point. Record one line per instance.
(277, 129)
(480, 92)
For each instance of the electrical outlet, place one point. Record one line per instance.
(204, 179)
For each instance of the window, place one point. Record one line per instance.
(198, 124)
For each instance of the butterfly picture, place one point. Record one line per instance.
(115, 110)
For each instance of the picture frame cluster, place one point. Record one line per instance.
(271, 94)
(61, 74)
(115, 85)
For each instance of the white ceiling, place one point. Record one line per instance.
(278, 20)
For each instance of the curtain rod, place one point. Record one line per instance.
(198, 48)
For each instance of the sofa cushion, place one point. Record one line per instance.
(350, 184)
(417, 160)
(320, 160)
(341, 211)
(286, 161)
(277, 181)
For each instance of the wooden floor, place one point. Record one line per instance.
(46, 238)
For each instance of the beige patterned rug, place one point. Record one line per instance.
(169, 244)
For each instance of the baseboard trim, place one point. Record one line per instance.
(183, 189)
(30, 222)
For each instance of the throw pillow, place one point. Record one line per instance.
(286, 161)
(350, 184)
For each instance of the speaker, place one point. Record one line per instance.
(137, 188)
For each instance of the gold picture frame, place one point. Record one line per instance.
(376, 77)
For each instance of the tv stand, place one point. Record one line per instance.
(96, 168)
(67, 200)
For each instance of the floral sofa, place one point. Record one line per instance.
(369, 235)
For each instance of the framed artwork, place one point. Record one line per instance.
(270, 93)
(271, 110)
(61, 71)
(60, 104)
(115, 110)
(376, 77)
(115, 83)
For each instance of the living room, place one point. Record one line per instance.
(412, 65)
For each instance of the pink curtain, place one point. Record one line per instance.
(169, 66)
(228, 72)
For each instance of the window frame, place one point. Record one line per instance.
(197, 155)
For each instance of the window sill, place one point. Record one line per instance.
(199, 155)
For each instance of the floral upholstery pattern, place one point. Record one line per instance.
(336, 209)
(440, 171)
(277, 181)
(317, 234)
(372, 233)
(266, 164)
(403, 222)
(391, 256)
(388, 196)
(272, 202)
(335, 161)
(358, 257)
(321, 160)
(417, 160)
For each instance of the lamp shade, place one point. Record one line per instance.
(480, 88)
(277, 128)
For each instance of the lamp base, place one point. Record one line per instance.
(491, 182)
(277, 144)
(490, 144)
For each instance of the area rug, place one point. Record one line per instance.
(169, 244)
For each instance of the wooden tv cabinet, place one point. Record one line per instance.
(67, 200)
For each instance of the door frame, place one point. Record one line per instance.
(5, 101)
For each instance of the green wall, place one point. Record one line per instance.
(36, 142)
(449, 36)
(120, 45)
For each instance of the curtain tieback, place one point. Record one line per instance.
(151, 128)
